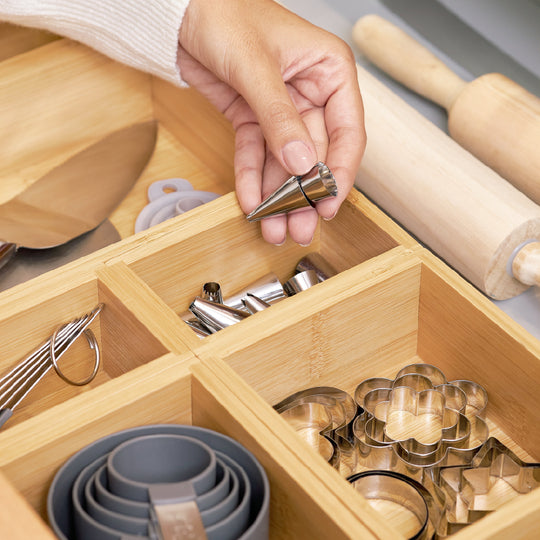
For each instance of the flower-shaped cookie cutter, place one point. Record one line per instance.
(419, 388)
(419, 422)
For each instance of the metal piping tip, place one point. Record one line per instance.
(315, 261)
(215, 316)
(268, 288)
(196, 325)
(254, 304)
(212, 291)
(301, 282)
(298, 192)
(319, 183)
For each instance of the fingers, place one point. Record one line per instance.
(303, 223)
(249, 160)
(344, 116)
(285, 133)
(273, 229)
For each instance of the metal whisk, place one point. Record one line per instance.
(16, 385)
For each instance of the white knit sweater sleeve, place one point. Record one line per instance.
(139, 33)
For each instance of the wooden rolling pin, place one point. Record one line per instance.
(464, 211)
(493, 117)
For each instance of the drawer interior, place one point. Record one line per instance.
(375, 323)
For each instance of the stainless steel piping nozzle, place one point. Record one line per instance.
(298, 192)
(215, 316)
(254, 304)
(196, 325)
(301, 282)
(268, 288)
(211, 290)
(315, 261)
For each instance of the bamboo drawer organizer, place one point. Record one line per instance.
(391, 304)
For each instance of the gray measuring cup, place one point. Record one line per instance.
(207, 500)
(137, 464)
(111, 510)
(72, 516)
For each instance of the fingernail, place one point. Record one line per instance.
(298, 157)
(306, 245)
(330, 217)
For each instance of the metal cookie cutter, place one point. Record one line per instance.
(298, 192)
(423, 504)
(418, 388)
(324, 415)
(494, 476)
(419, 423)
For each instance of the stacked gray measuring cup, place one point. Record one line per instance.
(152, 481)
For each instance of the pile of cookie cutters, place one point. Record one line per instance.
(418, 440)
(210, 312)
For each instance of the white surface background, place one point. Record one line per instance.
(512, 25)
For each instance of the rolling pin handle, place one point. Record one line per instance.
(525, 264)
(406, 60)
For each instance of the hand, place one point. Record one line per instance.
(291, 93)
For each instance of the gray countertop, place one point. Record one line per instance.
(472, 37)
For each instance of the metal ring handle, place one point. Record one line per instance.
(92, 343)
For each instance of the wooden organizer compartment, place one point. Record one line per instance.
(171, 389)
(372, 323)
(125, 340)
(216, 243)
(18, 39)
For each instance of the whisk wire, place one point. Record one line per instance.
(18, 382)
